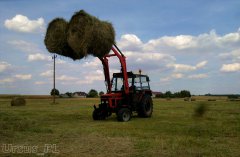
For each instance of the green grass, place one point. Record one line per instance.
(173, 130)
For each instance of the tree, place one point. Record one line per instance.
(177, 95)
(69, 94)
(56, 92)
(185, 93)
(92, 93)
(168, 94)
(101, 93)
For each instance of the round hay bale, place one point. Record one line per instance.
(80, 30)
(103, 39)
(200, 110)
(56, 39)
(18, 101)
(88, 35)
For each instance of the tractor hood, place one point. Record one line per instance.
(111, 95)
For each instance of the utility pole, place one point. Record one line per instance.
(54, 89)
(140, 72)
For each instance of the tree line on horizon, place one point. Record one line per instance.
(91, 94)
(169, 94)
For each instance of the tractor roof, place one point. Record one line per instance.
(130, 75)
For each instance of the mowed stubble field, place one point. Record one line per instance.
(171, 131)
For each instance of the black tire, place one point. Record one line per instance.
(98, 114)
(124, 115)
(145, 107)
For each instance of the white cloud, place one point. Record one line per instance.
(201, 64)
(234, 67)
(58, 61)
(47, 73)
(147, 61)
(95, 76)
(177, 75)
(231, 37)
(92, 64)
(198, 76)
(130, 42)
(35, 53)
(38, 57)
(25, 46)
(185, 67)
(21, 23)
(233, 55)
(171, 77)
(4, 66)
(181, 67)
(23, 76)
(134, 50)
(84, 78)
(6, 80)
(139, 57)
(182, 76)
(160, 53)
(89, 78)
(66, 78)
(40, 83)
(178, 42)
(165, 79)
(203, 43)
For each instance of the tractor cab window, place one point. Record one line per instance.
(135, 82)
(117, 84)
(141, 82)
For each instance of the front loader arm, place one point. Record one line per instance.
(106, 73)
(122, 60)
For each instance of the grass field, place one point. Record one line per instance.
(68, 127)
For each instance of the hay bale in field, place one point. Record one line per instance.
(200, 110)
(193, 99)
(18, 101)
(88, 35)
(56, 39)
(212, 100)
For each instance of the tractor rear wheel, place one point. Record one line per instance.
(124, 115)
(146, 107)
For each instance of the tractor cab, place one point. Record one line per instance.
(136, 82)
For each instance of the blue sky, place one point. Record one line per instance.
(192, 45)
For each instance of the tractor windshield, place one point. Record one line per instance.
(141, 82)
(135, 82)
(117, 84)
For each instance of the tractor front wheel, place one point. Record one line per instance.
(124, 115)
(98, 114)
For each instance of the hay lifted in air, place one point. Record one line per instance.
(18, 101)
(88, 35)
(83, 35)
(56, 39)
(103, 39)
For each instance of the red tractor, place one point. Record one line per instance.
(126, 92)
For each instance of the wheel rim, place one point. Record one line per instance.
(126, 116)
